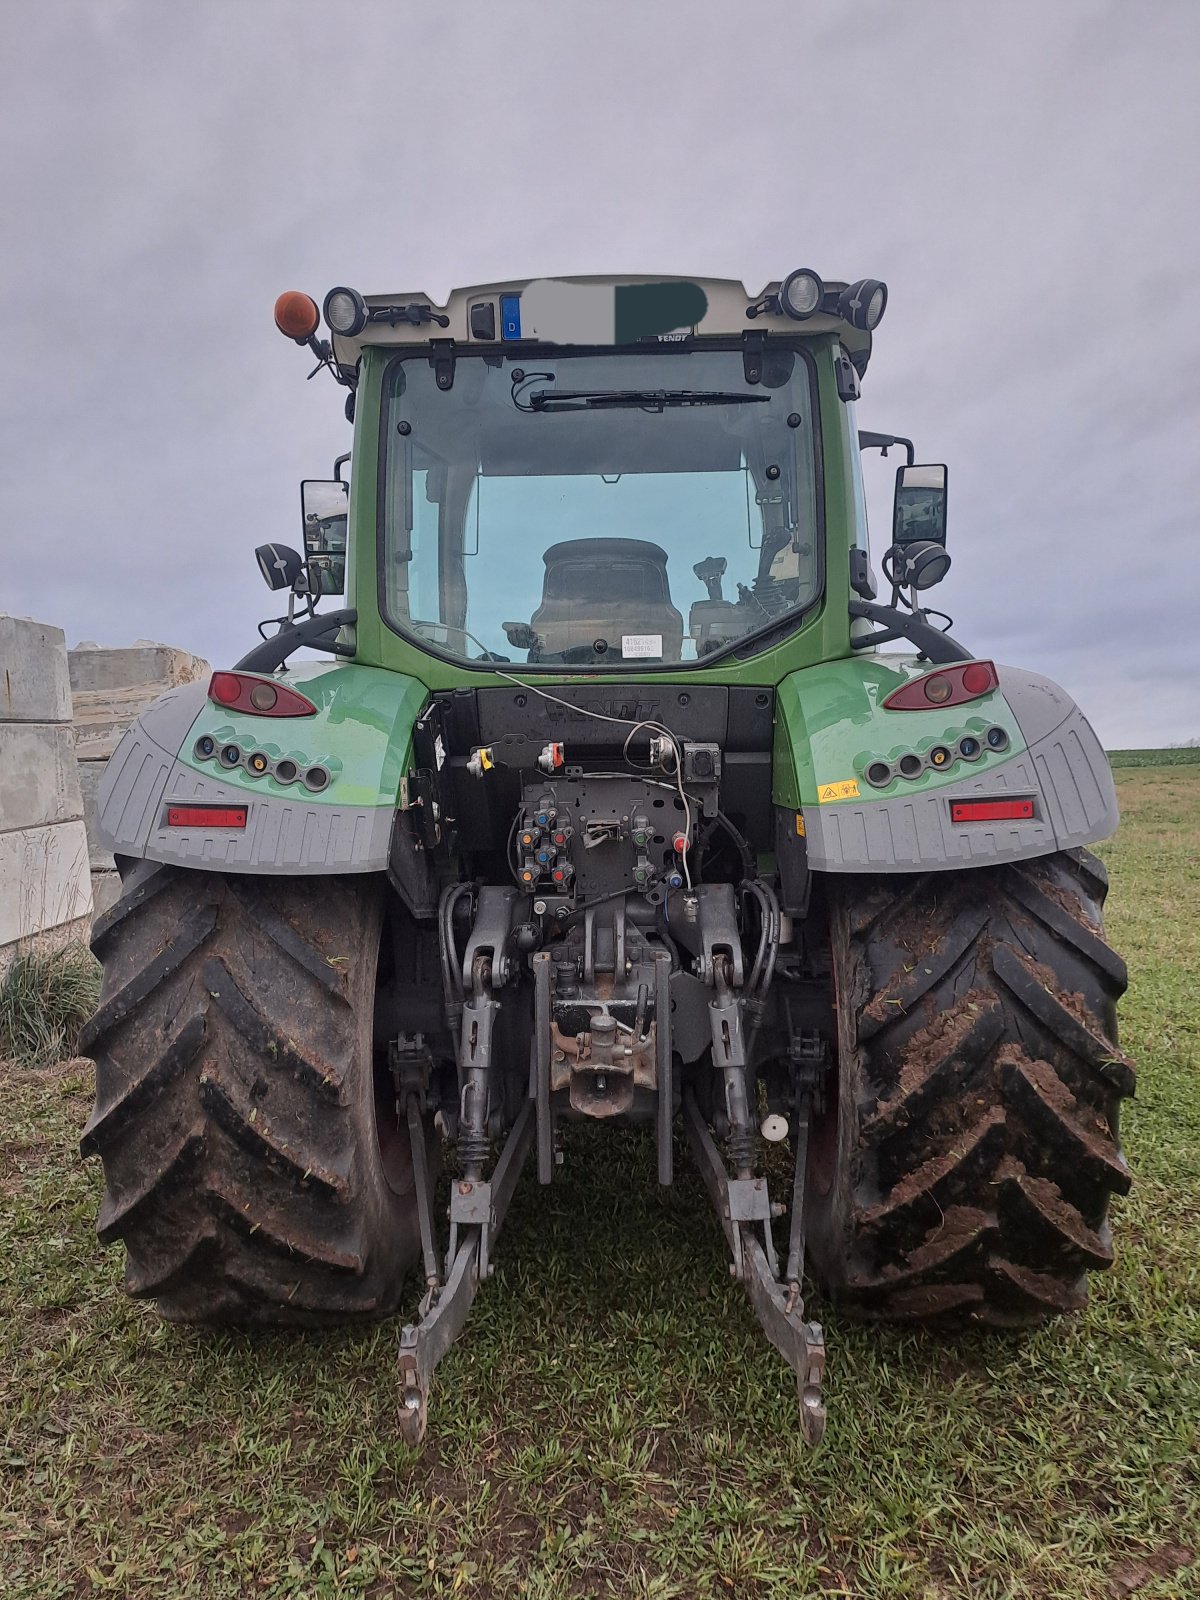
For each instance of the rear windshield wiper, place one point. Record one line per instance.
(635, 399)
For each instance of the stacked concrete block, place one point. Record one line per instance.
(109, 689)
(45, 889)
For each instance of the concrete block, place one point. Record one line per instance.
(97, 735)
(147, 666)
(111, 688)
(34, 681)
(44, 879)
(39, 780)
(106, 891)
(77, 932)
(90, 774)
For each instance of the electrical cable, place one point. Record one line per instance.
(634, 727)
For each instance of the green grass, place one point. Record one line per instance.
(1177, 756)
(45, 997)
(613, 1422)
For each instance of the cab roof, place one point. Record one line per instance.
(592, 311)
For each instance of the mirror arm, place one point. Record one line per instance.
(338, 464)
(935, 645)
(883, 442)
(317, 632)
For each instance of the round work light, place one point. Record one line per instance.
(862, 304)
(923, 564)
(800, 294)
(345, 312)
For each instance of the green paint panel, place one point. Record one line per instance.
(362, 732)
(830, 725)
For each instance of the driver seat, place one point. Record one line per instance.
(610, 590)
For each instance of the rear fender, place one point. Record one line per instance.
(361, 737)
(832, 726)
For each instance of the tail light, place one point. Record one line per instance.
(948, 686)
(260, 697)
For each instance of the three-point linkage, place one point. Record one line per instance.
(479, 1200)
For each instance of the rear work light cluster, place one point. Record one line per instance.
(948, 686)
(938, 758)
(259, 697)
(259, 764)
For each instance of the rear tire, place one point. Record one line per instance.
(248, 1169)
(979, 1081)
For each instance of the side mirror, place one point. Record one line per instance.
(920, 513)
(324, 504)
(279, 564)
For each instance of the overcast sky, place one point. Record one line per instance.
(1023, 176)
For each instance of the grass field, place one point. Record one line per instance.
(1185, 755)
(614, 1423)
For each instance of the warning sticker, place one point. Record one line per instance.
(641, 644)
(847, 789)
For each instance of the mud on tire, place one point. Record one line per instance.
(245, 1170)
(970, 1164)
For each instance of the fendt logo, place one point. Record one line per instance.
(624, 711)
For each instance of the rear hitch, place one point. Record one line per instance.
(477, 1212)
(742, 1204)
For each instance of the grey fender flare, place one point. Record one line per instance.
(297, 836)
(1064, 768)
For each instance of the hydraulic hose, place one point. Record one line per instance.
(754, 887)
(452, 983)
(776, 929)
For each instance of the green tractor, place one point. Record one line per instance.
(608, 806)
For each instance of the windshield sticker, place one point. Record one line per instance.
(641, 644)
(847, 789)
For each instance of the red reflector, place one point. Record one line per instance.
(991, 810)
(206, 816)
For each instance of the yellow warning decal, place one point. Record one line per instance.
(847, 789)
(800, 825)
